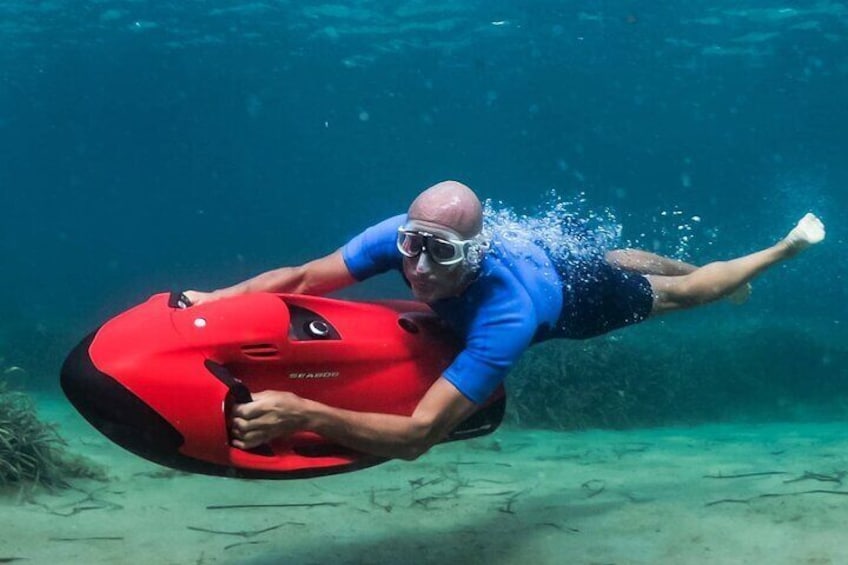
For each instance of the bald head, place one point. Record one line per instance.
(451, 204)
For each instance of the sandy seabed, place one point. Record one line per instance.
(709, 494)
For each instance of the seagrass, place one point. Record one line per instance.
(32, 451)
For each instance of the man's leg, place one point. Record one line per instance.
(646, 263)
(716, 280)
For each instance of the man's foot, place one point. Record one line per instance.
(740, 295)
(809, 231)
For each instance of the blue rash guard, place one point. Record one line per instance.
(516, 296)
(519, 297)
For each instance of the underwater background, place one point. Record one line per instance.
(153, 145)
(149, 146)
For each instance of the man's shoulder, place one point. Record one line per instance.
(497, 288)
(373, 251)
(392, 222)
(523, 276)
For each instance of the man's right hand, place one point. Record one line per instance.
(271, 414)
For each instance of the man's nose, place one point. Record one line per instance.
(423, 265)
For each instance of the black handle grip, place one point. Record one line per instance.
(239, 393)
(178, 300)
(238, 390)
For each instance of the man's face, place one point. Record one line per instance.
(429, 280)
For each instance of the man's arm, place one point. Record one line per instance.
(273, 414)
(320, 276)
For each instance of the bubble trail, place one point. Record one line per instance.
(565, 229)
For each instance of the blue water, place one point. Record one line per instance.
(150, 145)
(160, 145)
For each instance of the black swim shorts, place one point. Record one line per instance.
(599, 298)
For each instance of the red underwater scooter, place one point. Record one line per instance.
(159, 379)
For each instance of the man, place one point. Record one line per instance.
(500, 296)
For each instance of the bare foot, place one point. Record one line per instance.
(740, 295)
(809, 231)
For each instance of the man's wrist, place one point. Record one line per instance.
(312, 417)
(220, 293)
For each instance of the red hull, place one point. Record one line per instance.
(178, 370)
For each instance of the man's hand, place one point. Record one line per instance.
(272, 414)
(197, 298)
